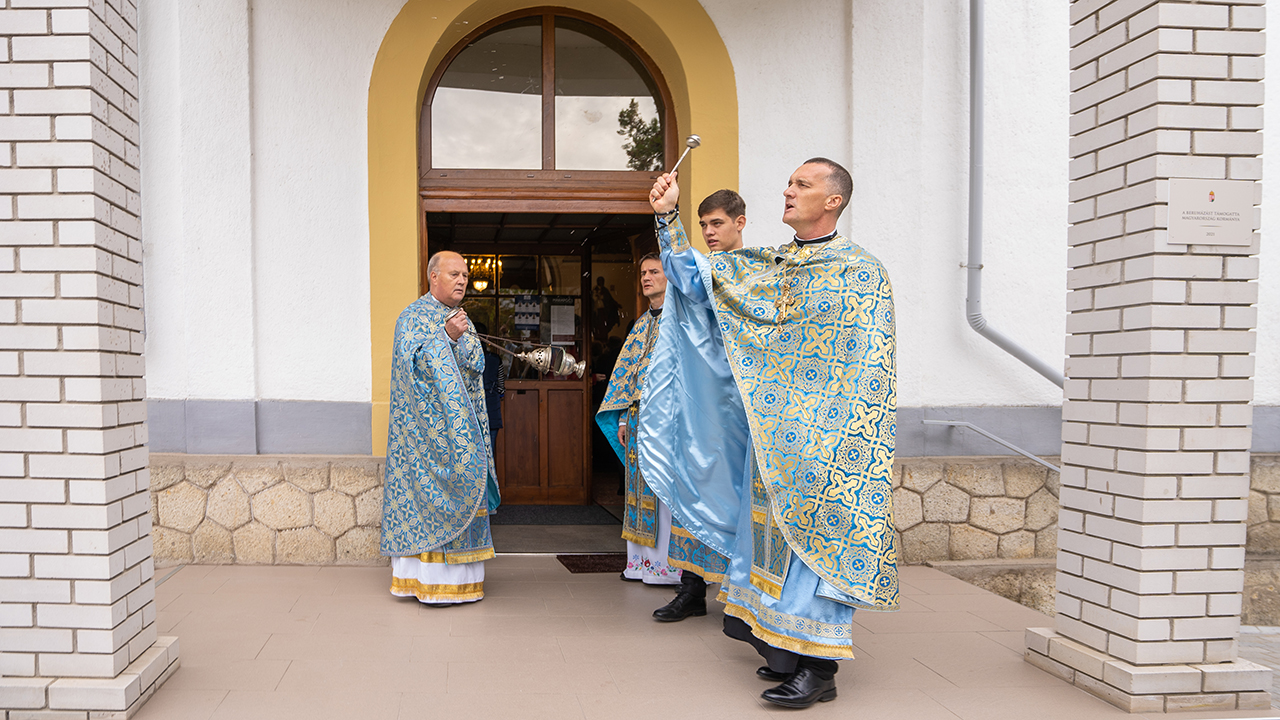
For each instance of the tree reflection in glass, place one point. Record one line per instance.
(608, 112)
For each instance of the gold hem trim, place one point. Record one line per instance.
(456, 557)
(706, 574)
(769, 587)
(404, 587)
(803, 647)
(647, 541)
(469, 556)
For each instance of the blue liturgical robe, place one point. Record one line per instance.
(440, 485)
(789, 355)
(620, 406)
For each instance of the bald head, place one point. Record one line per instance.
(447, 277)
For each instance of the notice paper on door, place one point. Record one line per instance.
(562, 325)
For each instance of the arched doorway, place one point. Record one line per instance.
(541, 132)
(679, 38)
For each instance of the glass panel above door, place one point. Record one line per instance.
(608, 108)
(487, 108)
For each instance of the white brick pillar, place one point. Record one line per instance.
(1157, 410)
(77, 610)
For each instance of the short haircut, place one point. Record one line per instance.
(727, 200)
(650, 256)
(839, 182)
(433, 264)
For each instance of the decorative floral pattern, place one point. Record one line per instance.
(621, 405)
(809, 331)
(439, 460)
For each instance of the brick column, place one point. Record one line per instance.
(1157, 410)
(77, 611)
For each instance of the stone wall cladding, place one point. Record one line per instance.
(265, 510)
(975, 509)
(327, 510)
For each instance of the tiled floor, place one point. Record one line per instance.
(1262, 645)
(330, 642)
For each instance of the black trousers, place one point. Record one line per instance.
(779, 660)
(692, 584)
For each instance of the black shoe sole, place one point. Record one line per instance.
(659, 618)
(827, 696)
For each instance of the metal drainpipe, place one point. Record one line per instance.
(973, 302)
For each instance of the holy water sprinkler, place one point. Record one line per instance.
(693, 142)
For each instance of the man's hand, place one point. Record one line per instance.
(456, 325)
(665, 193)
(622, 434)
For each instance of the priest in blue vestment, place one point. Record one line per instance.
(791, 353)
(646, 523)
(440, 485)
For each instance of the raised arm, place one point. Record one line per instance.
(678, 262)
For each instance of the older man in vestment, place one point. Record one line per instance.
(646, 522)
(440, 484)
(791, 351)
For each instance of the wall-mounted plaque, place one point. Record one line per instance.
(1210, 212)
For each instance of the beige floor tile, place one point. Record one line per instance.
(263, 602)
(1016, 618)
(221, 674)
(685, 679)
(245, 620)
(358, 580)
(402, 621)
(1056, 702)
(166, 619)
(855, 704)
(177, 704)
(337, 647)
(417, 706)
(618, 588)
(865, 675)
(657, 647)
(191, 578)
(967, 602)
(1001, 669)
(634, 605)
(662, 705)
(493, 607)
(344, 701)
(218, 642)
(1015, 640)
(1216, 715)
(383, 602)
(922, 622)
(927, 644)
(508, 626)
(510, 574)
(483, 678)
(935, 582)
(364, 674)
(482, 649)
(520, 589)
(641, 623)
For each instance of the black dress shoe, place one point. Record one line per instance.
(623, 576)
(764, 673)
(803, 689)
(680, 608)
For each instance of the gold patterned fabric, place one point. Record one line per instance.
(810, 336)
(620, 406)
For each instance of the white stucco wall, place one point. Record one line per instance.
(883, 87)
(255, 193)
(255, 202)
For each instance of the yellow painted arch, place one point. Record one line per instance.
(677, 34)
